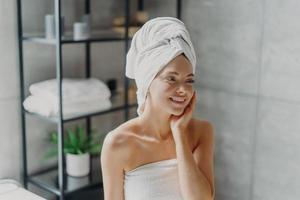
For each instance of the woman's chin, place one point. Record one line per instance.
(176, 112)
(176, 108)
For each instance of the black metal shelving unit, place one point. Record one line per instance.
(54, 178)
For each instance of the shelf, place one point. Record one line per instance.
(48, 179)
(117, 101)
(106, 35)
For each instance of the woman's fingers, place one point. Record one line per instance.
(191, 106)
(185, 117)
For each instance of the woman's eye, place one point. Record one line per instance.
(191, 81)
(170, 78)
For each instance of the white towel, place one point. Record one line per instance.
(12, 190)
(39, 105)
(72, 88)
(153, 46)
(153, 181)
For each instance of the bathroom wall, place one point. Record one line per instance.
(247, 54)
(248, 58)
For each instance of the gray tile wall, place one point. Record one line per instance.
(248, 58)
(247, 81)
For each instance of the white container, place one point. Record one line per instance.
(50, 27)
(77, 182)
(78, 165)
(81, 31)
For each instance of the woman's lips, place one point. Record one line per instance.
(177, 103)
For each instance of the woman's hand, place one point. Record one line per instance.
(180, 123)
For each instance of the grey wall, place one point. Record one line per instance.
(248, 54)
(247, 82)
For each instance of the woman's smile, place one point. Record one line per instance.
(178, 101)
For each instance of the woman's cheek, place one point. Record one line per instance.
(166, 87)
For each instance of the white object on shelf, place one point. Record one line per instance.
(41, 106)
(72, 88)
(12, 190)
(78, 165)
(81, 31)
(77, 182)
(50, 27)
(79, 96)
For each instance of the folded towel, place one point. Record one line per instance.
(72, 88)
(12, 190)
(53, 102)
(153, 46)
(39, 105)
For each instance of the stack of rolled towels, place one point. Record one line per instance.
(79, 96)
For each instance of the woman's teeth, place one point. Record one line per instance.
(177, 99)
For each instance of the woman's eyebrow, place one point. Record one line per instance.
(171, 72)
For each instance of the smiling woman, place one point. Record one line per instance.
(164, 153)
(175, 84)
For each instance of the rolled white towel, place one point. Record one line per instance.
(72, 88)
(53, 102)
(153, 46)
(40, 105)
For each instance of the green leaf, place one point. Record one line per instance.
(81, 136)
(79, 151)
(70, 150)
(53, 137)
(72, 139)
(95, 148)
(77, 142)
(67, 143)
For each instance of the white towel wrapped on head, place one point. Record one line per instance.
(153, 46)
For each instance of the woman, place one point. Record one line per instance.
(164, 153)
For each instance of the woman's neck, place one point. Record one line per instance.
(156, 125)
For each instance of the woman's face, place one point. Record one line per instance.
(174, 80)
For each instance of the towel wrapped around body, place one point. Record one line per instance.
(153, 181)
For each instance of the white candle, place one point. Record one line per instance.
(81, 31)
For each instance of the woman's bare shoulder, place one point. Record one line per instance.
(120, 142)
(201, 127)
(200, 123)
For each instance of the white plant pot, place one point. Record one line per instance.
(78, 165)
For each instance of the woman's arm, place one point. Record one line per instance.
(112, 167)
(204, 156)
(195, 170)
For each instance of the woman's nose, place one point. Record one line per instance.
(181, 89)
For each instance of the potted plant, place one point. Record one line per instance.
(78, 146)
